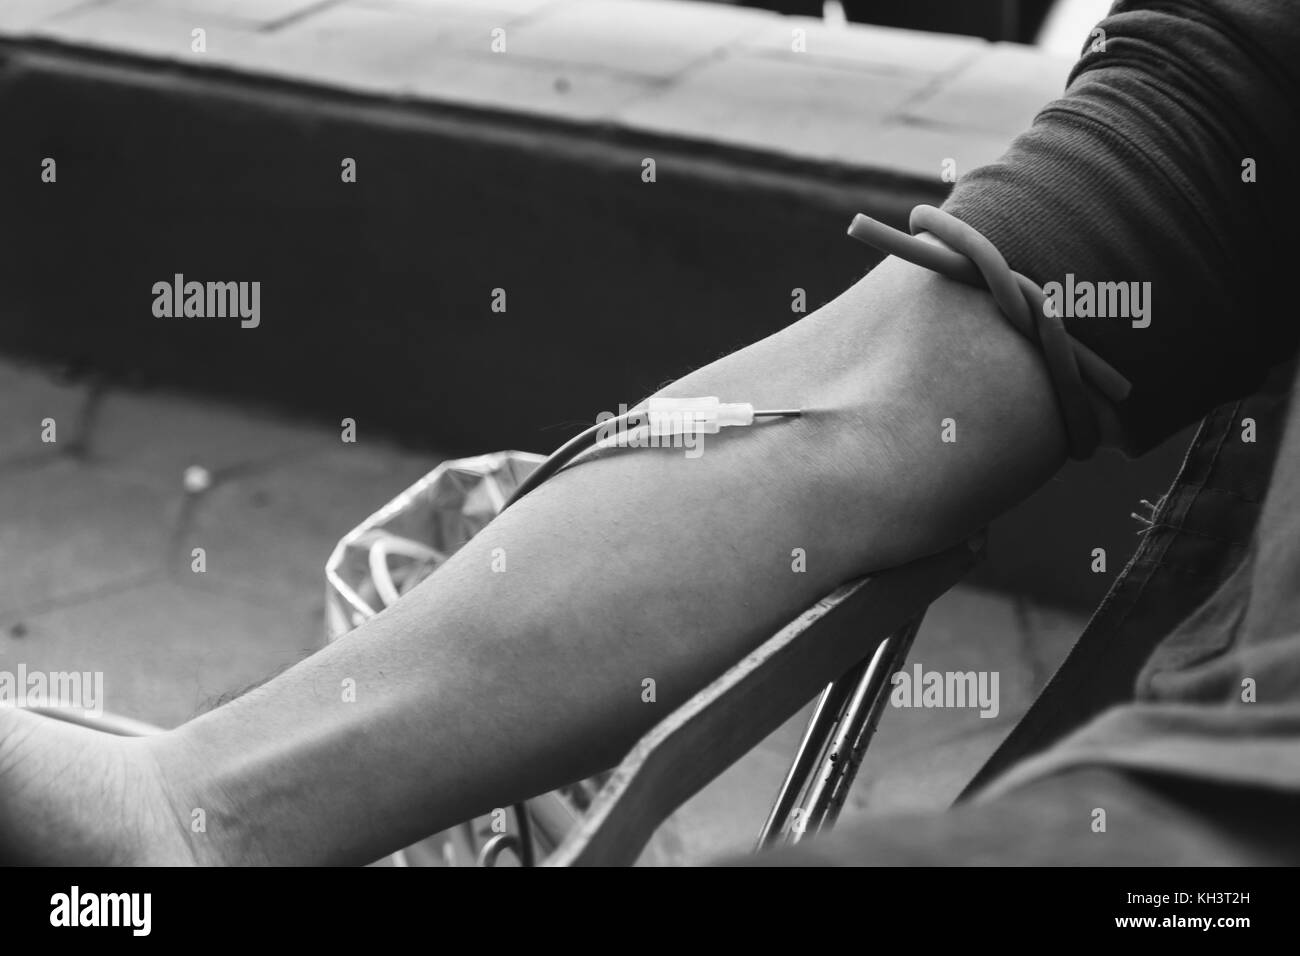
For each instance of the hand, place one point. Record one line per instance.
(74, 796)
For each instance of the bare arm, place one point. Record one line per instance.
(480, 688)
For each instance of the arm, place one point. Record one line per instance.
(480, 688)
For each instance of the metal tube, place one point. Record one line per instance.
(862, 725)
(854, 731)
(808, 755)
(830, 768)
(835, 741)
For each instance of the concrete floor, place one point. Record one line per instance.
(96, 537)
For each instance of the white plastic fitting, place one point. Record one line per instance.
(699, 416)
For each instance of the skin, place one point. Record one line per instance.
(480, 688)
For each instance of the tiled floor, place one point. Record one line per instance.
(97, 531)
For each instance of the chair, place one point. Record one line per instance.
(846, 646)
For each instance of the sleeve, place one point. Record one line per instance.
(1164, 168)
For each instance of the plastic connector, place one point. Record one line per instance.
(696, 416)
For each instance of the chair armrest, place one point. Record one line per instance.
(724, 721)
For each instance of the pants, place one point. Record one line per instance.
(1149, 820)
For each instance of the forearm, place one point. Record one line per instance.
(480, 687)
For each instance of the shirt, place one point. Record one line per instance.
(1162, 174)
